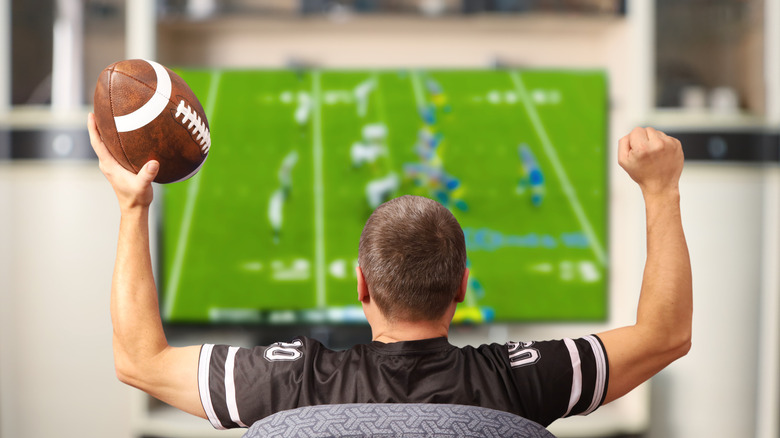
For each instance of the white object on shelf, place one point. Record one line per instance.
(693, 98)
(724, 101)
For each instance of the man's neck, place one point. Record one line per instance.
(399, 331)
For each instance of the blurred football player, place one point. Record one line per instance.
(382, 189)
(362, 92)
(275, 217)
(531, 176)
(303, 110)
(285, 172)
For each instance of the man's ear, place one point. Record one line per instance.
(362, 287)
(464, 284)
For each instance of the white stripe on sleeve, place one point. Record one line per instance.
(230, 386)
(601, 373)
(203, 385)
(576, 377)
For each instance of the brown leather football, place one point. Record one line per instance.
(146, 112)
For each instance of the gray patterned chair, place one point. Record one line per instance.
(395, 420)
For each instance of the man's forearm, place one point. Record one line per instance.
(135, 314)
(666, 301)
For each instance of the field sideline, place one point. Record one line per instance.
(268, 230)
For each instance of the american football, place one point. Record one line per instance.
(144, 111)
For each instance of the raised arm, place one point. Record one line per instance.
(142, 356)
(662, 332)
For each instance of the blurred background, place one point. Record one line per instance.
(707, 71)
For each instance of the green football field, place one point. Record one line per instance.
(268, 230)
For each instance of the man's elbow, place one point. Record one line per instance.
(123, 376)
(684, 346)
(670, 340)
(678, 345)
(667, 345)
(126, 371)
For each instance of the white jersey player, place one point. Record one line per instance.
(275, 209)
(380, 190)
(362, 153)
(285, 172)
(361, 92)
(303, 110)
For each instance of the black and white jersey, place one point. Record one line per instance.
(541, 381)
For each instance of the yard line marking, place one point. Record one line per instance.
(189, 207)
(379, 103)
(319, 195)
(560, 172)
(419, 96)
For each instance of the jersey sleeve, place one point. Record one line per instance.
(239, 386)
(560, 378)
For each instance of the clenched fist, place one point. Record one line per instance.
(652, 159)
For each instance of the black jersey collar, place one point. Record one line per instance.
(407, 347)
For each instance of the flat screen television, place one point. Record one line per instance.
(267, 232)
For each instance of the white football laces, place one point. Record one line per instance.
(197, 126)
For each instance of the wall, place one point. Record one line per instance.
(59, 226)
(712, 392)
(386, 42)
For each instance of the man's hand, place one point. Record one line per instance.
(652, 159)
(131, 190)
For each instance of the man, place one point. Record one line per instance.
(411, 277)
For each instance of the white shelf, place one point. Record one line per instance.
(37, 117)
(702, 119)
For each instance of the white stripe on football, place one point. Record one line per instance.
(151, 109)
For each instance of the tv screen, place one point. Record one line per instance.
(267, 232)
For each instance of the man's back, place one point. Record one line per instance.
(542, 381)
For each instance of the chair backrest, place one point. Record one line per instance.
(395, 420)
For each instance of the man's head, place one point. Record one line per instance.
(413, 257)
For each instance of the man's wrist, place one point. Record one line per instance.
(134, 211)
(663, 195)
(662, 202)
